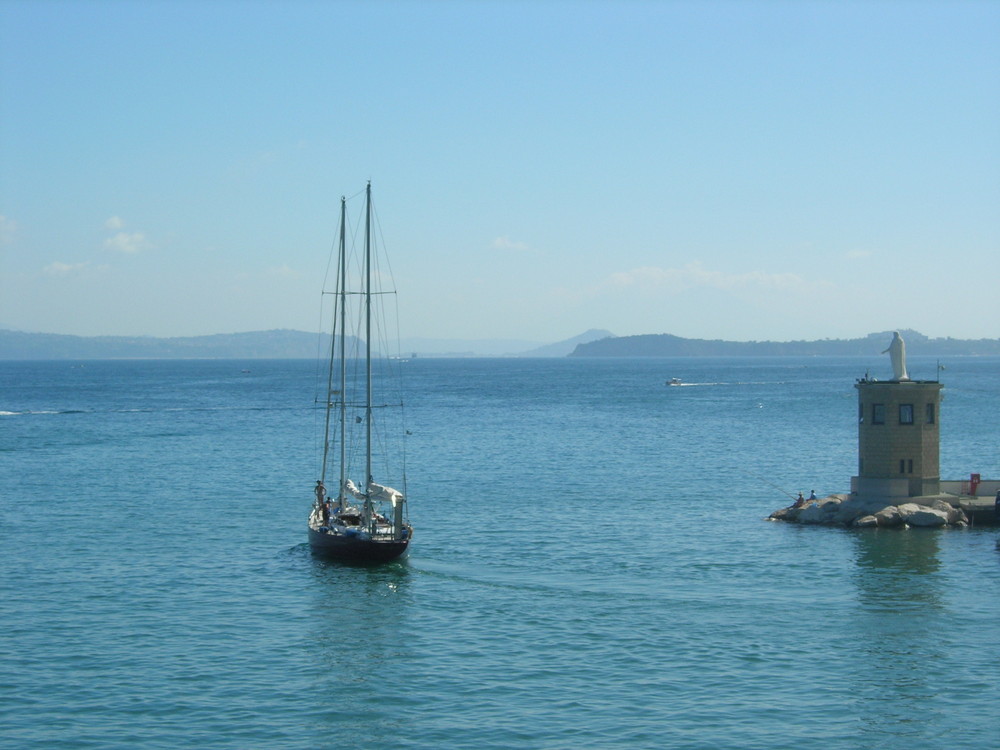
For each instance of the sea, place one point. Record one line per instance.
(591, 566)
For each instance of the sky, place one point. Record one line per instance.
(722, 170)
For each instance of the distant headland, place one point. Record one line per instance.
(289, 344)
(667, 345)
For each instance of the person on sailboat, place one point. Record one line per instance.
(322, 502)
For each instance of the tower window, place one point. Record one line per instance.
(878, 413)
(930, 413)
(906, 413)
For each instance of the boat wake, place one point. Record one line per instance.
(178, 409)
(28, 413)
(737, 383)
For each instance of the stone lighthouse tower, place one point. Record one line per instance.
(898, 434)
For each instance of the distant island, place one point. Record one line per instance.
(667, 345)
(288, 344)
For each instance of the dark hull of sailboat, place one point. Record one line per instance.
(355, 550)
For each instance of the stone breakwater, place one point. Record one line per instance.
(849, 510)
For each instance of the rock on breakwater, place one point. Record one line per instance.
(852, 510)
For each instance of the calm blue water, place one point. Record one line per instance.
(590, 567)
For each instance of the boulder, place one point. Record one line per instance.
(865, 522)
(784, 514)
(889, 518)
(955, 515)
(814, 513)
(852, 509)
(921, 515)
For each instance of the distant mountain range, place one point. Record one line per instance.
(667, 345)
(280, 344)
(287, 344)
(277, 344)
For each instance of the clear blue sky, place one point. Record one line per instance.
(734, 170)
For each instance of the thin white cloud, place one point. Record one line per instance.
(57, 268)
(507, 244)
(126, 242)
(121, 241)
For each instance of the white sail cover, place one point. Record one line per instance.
(352, 489)
(381, 492)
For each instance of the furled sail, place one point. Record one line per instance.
(381, 492)
(352, 489)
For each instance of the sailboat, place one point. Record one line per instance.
(365, 524)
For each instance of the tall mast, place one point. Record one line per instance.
(368, 347)
(343, 358)
(338, 300)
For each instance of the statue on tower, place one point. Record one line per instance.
(897, 354)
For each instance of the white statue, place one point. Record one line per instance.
(897, 353)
